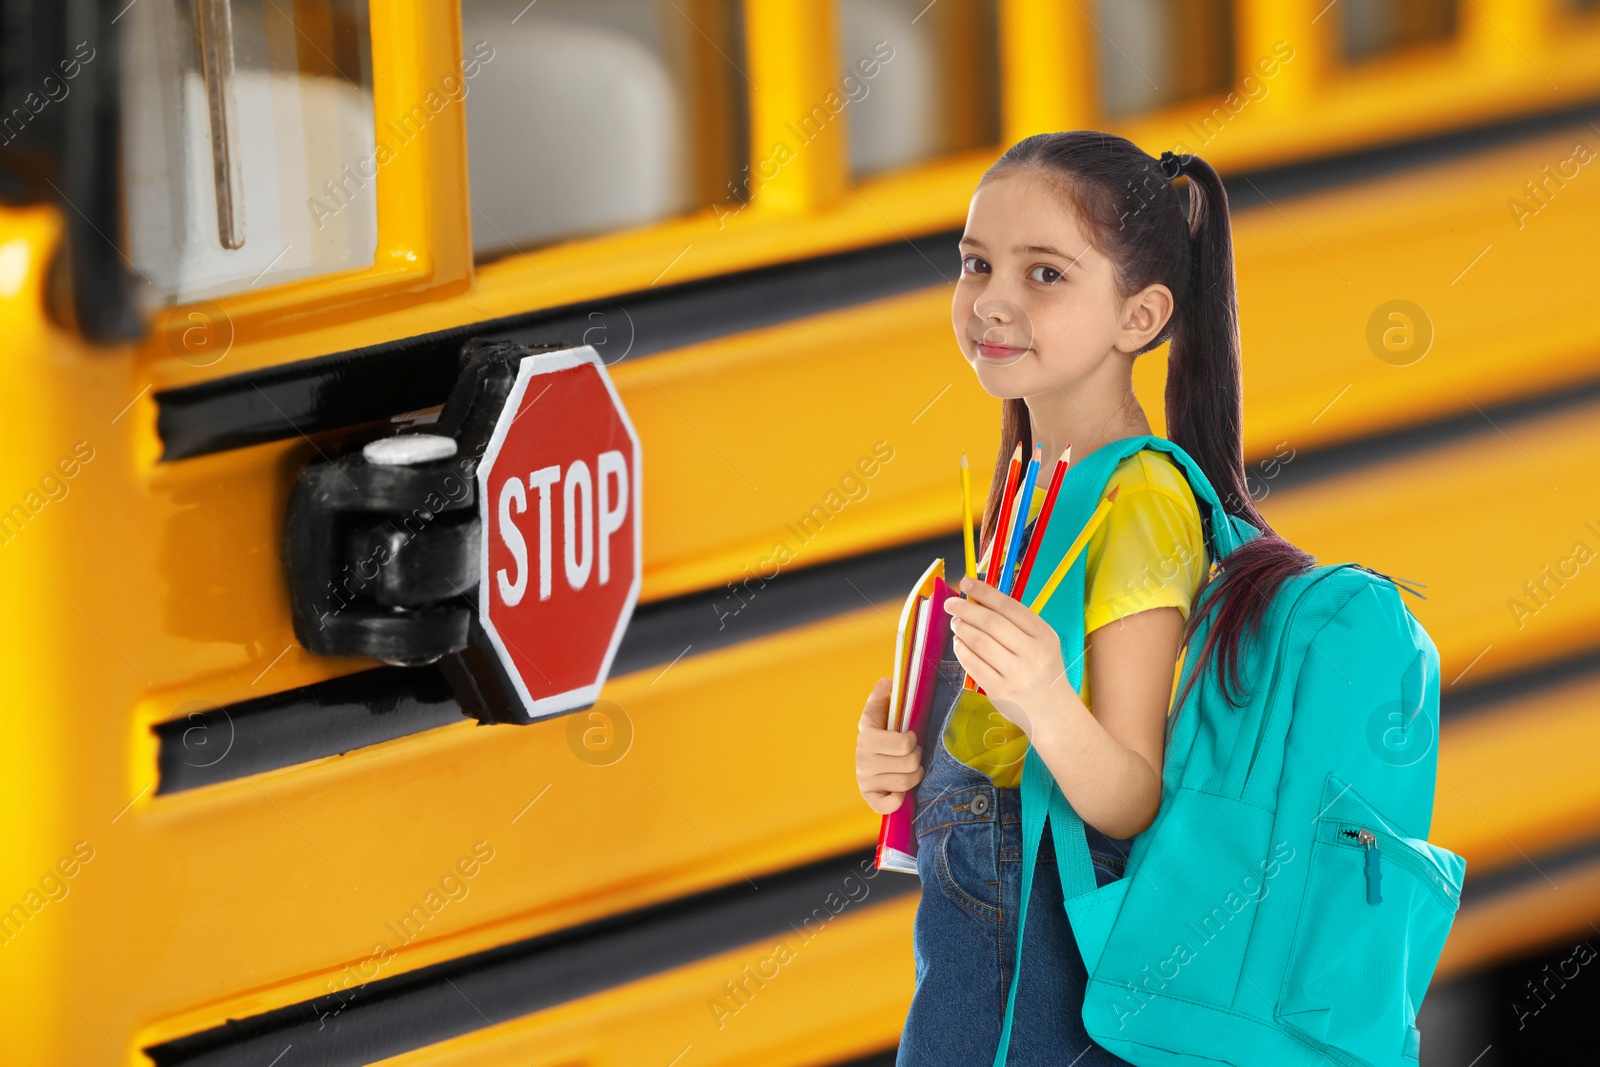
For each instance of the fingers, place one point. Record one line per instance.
(1010, 609)
(876, 712)
(876, 741)
(888, 762)
(878, 749)
(884, 778)
(981, 670)
(891, 781)
(884, 803)
(970, 615)
(994, 655)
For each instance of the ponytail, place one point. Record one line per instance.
(1132, 211)
(1205, 417)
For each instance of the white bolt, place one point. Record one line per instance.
(408, 449)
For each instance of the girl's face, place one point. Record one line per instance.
(1036, 307)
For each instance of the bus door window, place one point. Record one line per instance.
(249, 152)
(921, 80)
(1372, 28)
(598, 115)
(1153, 53)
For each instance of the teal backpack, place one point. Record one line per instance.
(1284, 907)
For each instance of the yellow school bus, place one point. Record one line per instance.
(242, 236)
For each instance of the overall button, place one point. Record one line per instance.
(980, 804)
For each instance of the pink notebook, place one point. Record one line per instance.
(897, 844)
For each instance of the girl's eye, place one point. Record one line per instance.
(973, 265)
(1045, 274)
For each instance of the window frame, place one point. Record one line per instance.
(424, 276)
(423, 249)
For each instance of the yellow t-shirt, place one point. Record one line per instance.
(1148, 553)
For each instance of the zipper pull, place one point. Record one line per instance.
(1369, 839)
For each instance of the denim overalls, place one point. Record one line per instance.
(969, 858)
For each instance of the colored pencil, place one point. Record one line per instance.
(1020, 521)
(1076, 548)
(988, 568)
(1042, 521)
(991, 572)
(1002, 527)
(966, 519)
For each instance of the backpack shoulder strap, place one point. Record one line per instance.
(1224, 532)
(1081, 491)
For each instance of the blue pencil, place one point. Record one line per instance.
(1024, 502)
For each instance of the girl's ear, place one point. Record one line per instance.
(1147, 313)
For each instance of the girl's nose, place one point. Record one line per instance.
(1004, 322)
(995, 310)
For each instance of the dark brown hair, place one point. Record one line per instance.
(1137, 218)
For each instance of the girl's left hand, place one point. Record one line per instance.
(1008, 650)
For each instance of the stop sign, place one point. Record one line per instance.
(560, 558)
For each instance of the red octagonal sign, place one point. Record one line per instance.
(559, 493)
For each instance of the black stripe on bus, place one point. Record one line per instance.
(378, 381)
(209, 746)
(218, 744)
(375, 382)
(1345, 457)
(361, 1024)
(885, 1058)
(1484, 889)
(369, 707)
(388, 1016)
(742, 611)
(1518, 685)
(1318, 173)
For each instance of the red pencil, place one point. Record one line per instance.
(1002, 526)
(991, 570)
(1039, 523)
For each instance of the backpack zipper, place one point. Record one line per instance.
(1404, 584)
(1370, 840)
(1353, 835)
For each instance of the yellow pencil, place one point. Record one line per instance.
(1072, 553)
(966, 519)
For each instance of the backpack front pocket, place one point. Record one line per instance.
(1196, 883)
(1377, 908)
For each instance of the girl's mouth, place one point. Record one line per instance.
(992, 351)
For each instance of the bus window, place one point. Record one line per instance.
(593, 115)
(249, 154)
(921, 80)
(1153, 53)
(1371, 28)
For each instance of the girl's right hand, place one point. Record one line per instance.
(888, 762)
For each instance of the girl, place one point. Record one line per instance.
(1078, 256)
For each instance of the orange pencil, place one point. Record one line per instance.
(1041, 521)
(991, 567)
(1002, 526)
